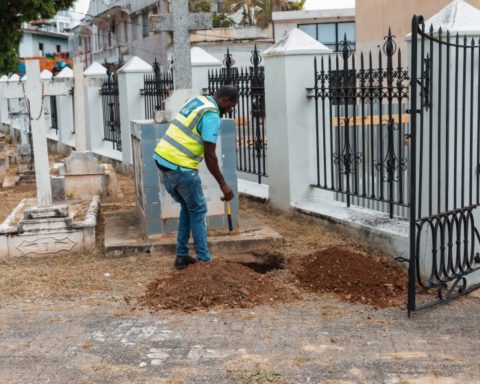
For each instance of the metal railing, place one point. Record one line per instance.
(249, 113)
(362, 128)
(111, 110)
(53, 113)
(157, 88)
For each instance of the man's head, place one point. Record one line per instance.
(226, 98)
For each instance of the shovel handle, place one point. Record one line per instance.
(229, 213)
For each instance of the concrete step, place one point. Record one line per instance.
(124, 237)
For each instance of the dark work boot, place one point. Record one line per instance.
(184, 261)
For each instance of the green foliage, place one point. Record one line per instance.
(200, 5)
(13, 13)
(263, 9)
(222, 20)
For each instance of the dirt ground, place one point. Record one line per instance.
(372, 280)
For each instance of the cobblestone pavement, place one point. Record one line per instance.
(319, 340)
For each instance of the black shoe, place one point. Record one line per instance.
(184, 261)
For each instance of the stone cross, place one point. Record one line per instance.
(35, 91)
(181, 22)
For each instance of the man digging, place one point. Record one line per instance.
(190, 137)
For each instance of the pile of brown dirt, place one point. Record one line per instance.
(354, 276)
(218, 283)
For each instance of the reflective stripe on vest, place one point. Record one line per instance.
(182, 149)
(182, 143)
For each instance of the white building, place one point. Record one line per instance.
(41, 37)
(39, 43)
(325, 20)
(116, 30)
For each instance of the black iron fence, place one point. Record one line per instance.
(445, 161)
(53, 113)
(157, 87)
(362, 128)
(249, 113)
(111, 110)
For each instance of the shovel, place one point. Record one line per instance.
(229, 214)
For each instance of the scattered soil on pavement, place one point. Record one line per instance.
(218, 283)
(354, 276)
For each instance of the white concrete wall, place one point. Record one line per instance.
(132, 104)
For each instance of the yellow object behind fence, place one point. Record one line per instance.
(367, 120)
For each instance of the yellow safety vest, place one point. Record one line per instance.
(182, 144)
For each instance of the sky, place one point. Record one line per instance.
(328, 4)
(81, 6)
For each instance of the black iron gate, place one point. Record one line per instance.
(445, 161)
(250, 111)
(362, 126)
(157, 88)
(111, 110)
(53, 113)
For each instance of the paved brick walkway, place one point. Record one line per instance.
(319, 340)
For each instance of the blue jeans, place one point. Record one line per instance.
(186, 188)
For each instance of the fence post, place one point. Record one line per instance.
(290, 118)
(94, 76)
(130, 81)
(65, 109)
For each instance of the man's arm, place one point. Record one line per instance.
(212, 164)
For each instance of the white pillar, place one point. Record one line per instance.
(17, 116)
(46, 76)
(290, 117)
(202, 62)
(132, 105)
(65, 111)
(94, 77)
(80, 107)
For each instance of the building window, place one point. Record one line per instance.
(125, 31)
(145, 26)
(40, 49)
(59, 48)
(331, 34)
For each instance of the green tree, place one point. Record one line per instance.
(222, 20)
(232, 6)
(13, 13)
(264, 9)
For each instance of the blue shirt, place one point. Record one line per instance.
(209, 129)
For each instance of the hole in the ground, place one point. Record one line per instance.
(268, 262)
